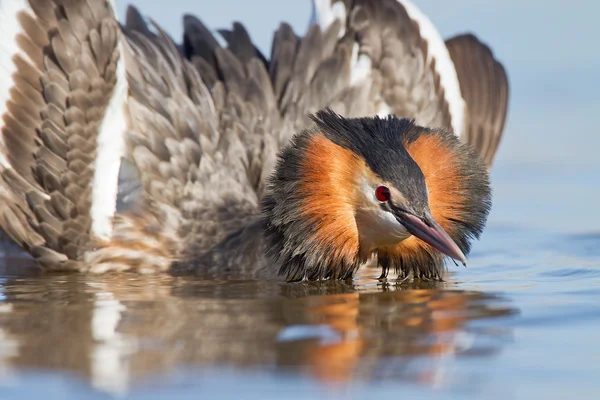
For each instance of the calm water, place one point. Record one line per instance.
(521, 320)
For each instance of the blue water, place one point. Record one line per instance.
(521, 321)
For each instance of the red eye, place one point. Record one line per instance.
(382, 193)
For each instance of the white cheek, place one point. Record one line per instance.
(380, 228)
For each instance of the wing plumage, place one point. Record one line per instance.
(186, 143)
(398, 51)
(457, 84)
(62, 60)
(484, 86)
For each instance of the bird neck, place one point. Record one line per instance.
(309, 210)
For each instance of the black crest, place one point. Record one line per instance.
(380, 142)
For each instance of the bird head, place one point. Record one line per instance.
(349, 189)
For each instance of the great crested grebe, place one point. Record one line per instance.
(122, 150)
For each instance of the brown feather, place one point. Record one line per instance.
(61, 86)
(484, 87)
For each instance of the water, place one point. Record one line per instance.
(521, 321)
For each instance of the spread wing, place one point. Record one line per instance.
(484, 86)
(186, 141)
(59, 72)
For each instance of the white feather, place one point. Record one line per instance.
(384, 109)
(110, 150)
(324, 14)
(9, 29)
(360, 66)
(444, 66)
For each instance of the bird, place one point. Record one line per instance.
(368, 138)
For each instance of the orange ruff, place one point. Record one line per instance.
(446, 200)
(328, 191)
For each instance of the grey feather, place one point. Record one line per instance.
(484, 86)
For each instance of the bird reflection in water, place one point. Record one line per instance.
(116, 330)
(404, 325)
